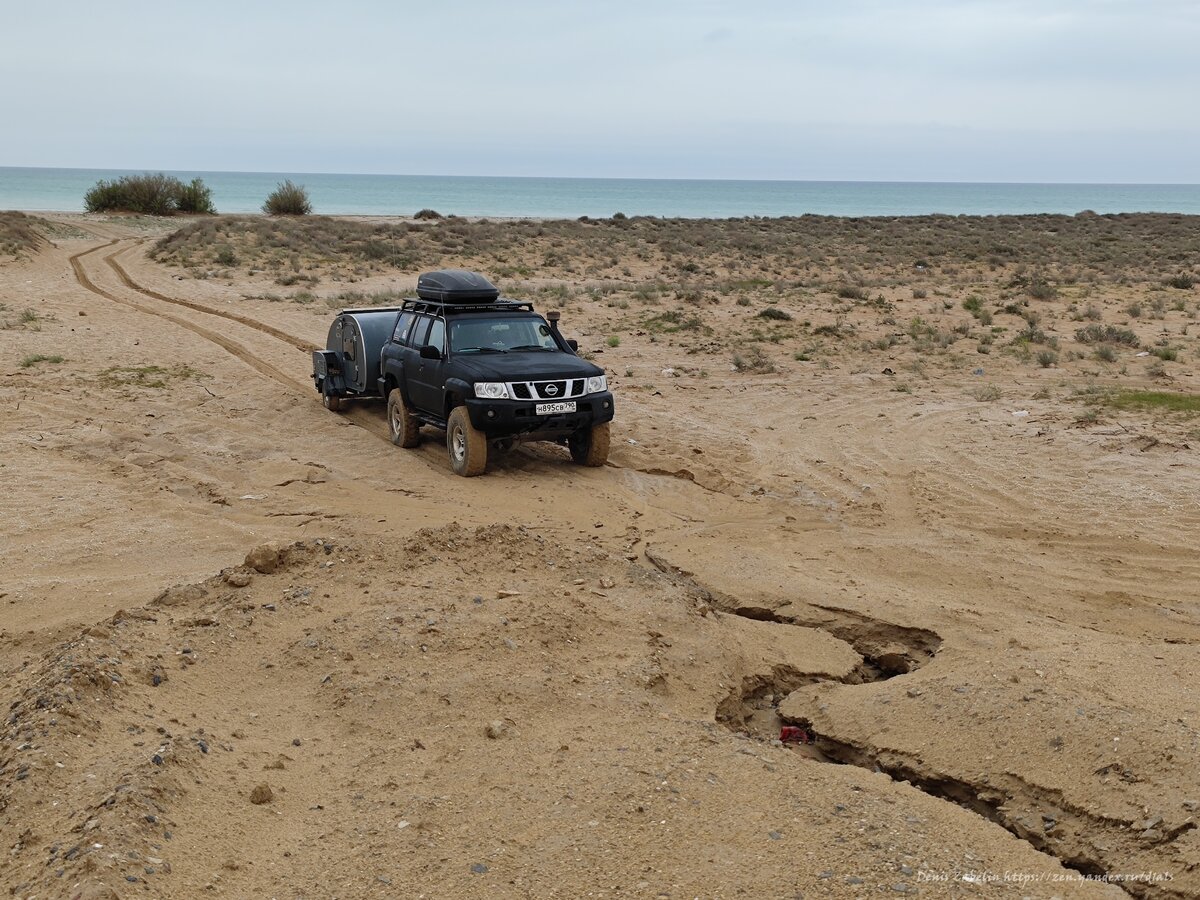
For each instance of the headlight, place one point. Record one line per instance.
(597, 384)
(491, 390)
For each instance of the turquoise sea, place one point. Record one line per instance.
(62, 190)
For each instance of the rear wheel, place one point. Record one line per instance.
(403, 426)
(467, 445)
(332, 403)
(589, 446)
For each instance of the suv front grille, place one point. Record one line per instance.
(547, 390)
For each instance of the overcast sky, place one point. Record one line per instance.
(929, 90)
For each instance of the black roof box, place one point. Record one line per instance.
(456, 286)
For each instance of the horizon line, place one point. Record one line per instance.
(153, 169)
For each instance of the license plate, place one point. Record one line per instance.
(554, 409)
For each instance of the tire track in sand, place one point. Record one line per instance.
(296, 342)
(220, 340)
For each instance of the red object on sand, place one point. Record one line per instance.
(790, 734)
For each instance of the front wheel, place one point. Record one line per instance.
(331, 402)
(589, 446)
(467, 445)
(403, 426)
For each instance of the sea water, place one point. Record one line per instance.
(62, 190)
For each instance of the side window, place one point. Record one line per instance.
(402, 326)
(437, 335)
(416, 337)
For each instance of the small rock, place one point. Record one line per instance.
(478, 868)
(99, 631)
(238, 578)
(261, 794)
(496, 730)
(263, 558)
(504, 595)
(907, 870)
(853, 879)
(606, 582)
(900, 887)
(774, 835)
(295, 742)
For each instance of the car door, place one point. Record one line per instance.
(392, 357)
(425, 376)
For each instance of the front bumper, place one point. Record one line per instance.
(503, 418)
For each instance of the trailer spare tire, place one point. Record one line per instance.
(589, 446)
(403, 426)
(466, 444)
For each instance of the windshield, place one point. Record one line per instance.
(476, 334)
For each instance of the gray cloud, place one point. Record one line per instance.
(929, 90)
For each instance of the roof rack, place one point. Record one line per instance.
(438, 307)
(369, 309)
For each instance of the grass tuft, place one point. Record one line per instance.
(1164, 400)
(30, 361)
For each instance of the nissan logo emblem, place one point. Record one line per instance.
(551, 390)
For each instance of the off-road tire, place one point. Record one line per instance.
(331, 402)
(403, 427)
(467, 445)
(589, 446)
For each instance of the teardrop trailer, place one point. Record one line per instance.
(487, 370)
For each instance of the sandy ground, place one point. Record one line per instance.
(554, 681)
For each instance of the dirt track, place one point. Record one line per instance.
(554, 681)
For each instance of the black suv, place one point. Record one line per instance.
(490, 371)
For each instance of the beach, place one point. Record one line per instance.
(922, 490)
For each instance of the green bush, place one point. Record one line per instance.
(287, 199)
(1183, 281)
(778, 315)
(151, 194)
(195, 197)
(1040, 289)
(427, 214)
(1106, 334)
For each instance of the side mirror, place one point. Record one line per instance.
(572, 343)
(430, 352)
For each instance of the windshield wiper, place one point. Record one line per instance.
(533, 347)
(480, 350)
